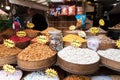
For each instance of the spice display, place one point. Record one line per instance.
(78, 55)
(17, 39)
(47, 30)
(71, 37)
(8, 76)
(112, 54)
(32, 33)
(77, 77)
(4, 51)
(36, 52)
(105, 39)
(39, 75)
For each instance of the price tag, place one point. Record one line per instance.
(82, 33)
(89, 2)
(101, 22)
(8, 68)
(118, 43)
(9, 43)
(51, 72)
(42, 39)
(21, 34)
(94, 30)
(30, 25)
(72, 27)
(76, 43)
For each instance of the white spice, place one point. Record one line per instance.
(78, 55)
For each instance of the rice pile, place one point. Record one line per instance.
(78, 55)
(113, 54)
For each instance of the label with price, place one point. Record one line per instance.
(8, 68)
(42, 39)
(9, 43)
(76, 43)
(118, 43)
(21, 34)
(101, 22)
(51, 72)
(30, 25)
(72, 27)
(94, 30)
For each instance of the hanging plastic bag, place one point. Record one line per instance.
(93, 43)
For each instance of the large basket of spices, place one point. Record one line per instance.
(70, 37)
(48, 74)
(101, 31)
(36, 56)
(105, 42)
(32, 33)
(78, 61)
(110, 58)
(8, 54)
(76, 77)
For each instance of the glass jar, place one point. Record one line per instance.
(56, 40)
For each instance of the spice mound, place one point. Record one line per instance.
(77, 77)
(112, 54)
(39, 75)
(4, 51)
(78, 55)
(36, 52)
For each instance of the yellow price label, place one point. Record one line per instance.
(72, 27)
(42, 39)
(89, 2)
(30, 25)
(76, 43)
(118, 43)
(8, 68)
(101, 22)
(94, 30)
(51, 72)
(9, 43)
(21, 34)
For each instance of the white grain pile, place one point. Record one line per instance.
(78, 55)
(113, 54)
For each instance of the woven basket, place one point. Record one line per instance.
(83, 69)
(8, 60)
(22, 45)
(78, 77)
(115, 77)
(84, 45)
(36, 65)
(110, 63)
(103, 46)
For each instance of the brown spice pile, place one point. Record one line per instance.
(75, 77)
(36, 52)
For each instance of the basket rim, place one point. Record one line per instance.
(9, 56)
(79, 64)
(38, 60)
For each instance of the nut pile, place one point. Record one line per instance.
(78, 55)
(36, 52)
(4, 51)
(113, 54)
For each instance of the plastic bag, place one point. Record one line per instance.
(93, 43)
(71, 10)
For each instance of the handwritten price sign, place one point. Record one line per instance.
(101, 22)
(72, 27)
(76, 43)
(30, 25)
(21, 34)
(42, 39)
(118, 43)
(8, 68)
(9, 43)
(51, 72)
(94, 30)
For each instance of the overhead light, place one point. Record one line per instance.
(2, 5)
(7, 7)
